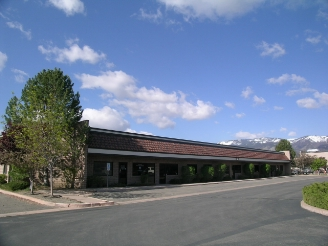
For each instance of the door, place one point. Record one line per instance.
(122, 173)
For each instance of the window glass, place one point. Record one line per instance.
(169, 169)
(142, 168)
(100, 168)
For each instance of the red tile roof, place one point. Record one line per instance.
(143, 143)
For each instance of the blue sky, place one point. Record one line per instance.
(210, 70)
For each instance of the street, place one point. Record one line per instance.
(262, 212)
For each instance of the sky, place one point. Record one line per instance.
(203, 70)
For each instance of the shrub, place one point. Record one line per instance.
(265, 170)
(17, 185)
(175, 181)
(95, 182)
(3, 178)
(208, 173)
(316, 195)
(187, 174)
(251, 170)
(246, 170)
(144, 178)
(219, 172)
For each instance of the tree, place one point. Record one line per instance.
(285, 145)
(318, 163)
(14, 150)
(50, 111)
(72, 163)
(304, 160)
(13, 111)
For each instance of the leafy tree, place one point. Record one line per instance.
(304, 160)
(220, 171)
(285, 145)
(318, 163)
(13, 111)
(73, 162)
(50, 111)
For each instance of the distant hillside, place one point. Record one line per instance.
(299, 144)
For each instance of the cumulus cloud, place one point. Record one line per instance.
(278, 108)
(229, 104)
(19, 26)
(241, 115)
(248, 135)
(283, 129)
(3, 60)
(211, 9)
(275, 50)
(292, 134)
(106, 118)
(147, 105)
(287, 78)
(319, 100)
(258, 100)
(20, 76)
(72, 54)
(70, 7)
(247, 92)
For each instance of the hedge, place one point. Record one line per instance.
(316, 195)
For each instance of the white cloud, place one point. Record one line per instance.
(307, 103)
(322, 14)
(247, 92)
(20, 76)
(292, 134)
(19, 26)
(140, 132)
(287, 78)
(70, 7)
(149, 16)
(3, 60)
(72, 54)
(229, 104)
(258, 100)
(278, 108)
(314, 40)
(147, 105)
(275, 50)
(299, 91)
(241, 115)
(106, 118)
(211, 9)
(248, 135)
(319, 100)
(283, 129)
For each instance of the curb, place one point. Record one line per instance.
(58, 205)
(314, 209)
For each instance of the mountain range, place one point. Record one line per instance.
(298, 144)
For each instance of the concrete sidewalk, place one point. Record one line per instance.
(79, 201)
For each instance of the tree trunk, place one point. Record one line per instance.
(31, 186)
(51, 180)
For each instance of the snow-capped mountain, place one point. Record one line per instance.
(298, 144)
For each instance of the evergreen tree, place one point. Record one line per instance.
(285, 145)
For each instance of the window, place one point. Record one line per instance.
(100, 168)
(169, 169)
(142, 168)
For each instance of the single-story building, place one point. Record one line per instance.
(123, 157)
(129, 155)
